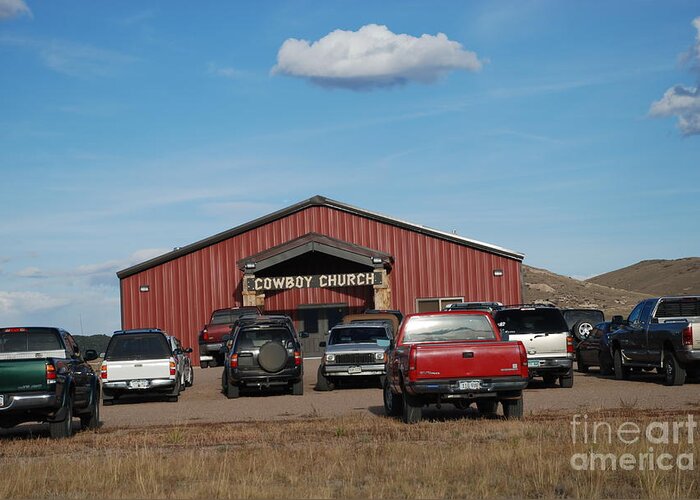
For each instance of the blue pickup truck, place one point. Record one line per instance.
(661, 333)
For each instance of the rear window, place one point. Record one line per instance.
(679, 308)
(344, 335)
(518, 321)
(229, 317)
(258, 337)
(29, 340)
(134, 346)
(448, 327)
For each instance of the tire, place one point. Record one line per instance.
(567, 381)
(323, 383)
(412, 412)
(606, 367)
(581, 330)
(621, 371)
(487, 407)
(175, 395)
(674, 373)
(549, 379)
(392, 402)
(189, 377)
(580, 365)
(92, 420)
(64, 428)
(513, 408)
(232, 391)
(298, 388)
(204, 364)
(272, 357)
(213, 363)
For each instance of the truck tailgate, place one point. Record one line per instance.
(22, 375)
(543, 345)
(138, 370)
(467, 359)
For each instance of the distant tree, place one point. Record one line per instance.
(96, 342)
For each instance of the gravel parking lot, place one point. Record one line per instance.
(204, 402)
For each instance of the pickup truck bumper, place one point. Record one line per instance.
(468, 389)
(377, 369)
(21, 407)
(541, 366)
(211, 349)
(133, 386)
(688, 357)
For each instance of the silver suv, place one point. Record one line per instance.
(547, 339)
(354, 350)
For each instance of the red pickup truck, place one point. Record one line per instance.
(454, 357)
(211, 341)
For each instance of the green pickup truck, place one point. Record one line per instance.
(45, 378)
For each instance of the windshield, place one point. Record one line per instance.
(448, 327)
(360, 335)
(573, 317)
(29, 340)
(230, 317)
(134, 346)
(540, 320)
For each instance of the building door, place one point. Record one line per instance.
(317, 320)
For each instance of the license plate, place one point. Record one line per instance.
(2, 400)
(534, 363)
(472, 385)
(138, 384)
(355, 369)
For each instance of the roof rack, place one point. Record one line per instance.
(533, 304)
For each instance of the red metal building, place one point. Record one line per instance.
(315, 261)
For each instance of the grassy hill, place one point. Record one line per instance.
(656, 277)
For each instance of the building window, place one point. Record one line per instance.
(436, 304)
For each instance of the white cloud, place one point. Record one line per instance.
(30, 272)
(681, 101)
(28, 302)
(225, 71)
(112, 266)
(373, 57)
(13, 8)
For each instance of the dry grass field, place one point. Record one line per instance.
(355, 456)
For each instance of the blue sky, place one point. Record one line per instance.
(564, 130)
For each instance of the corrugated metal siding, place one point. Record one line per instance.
(184, 291)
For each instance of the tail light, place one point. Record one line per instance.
(523, 354)
(412, 362)
(50, 373)
(172, 368)
(234, 361)
(103, 371)
(569, 344)
(205, 335)
(688, 335)
(297, 358)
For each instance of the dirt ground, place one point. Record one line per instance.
(204, 401)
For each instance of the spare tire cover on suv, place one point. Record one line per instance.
(272, 357)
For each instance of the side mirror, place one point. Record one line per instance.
(229, 344)
(178, 352)
(188, 350)
(102, 355)
(322, 344)
(226, 338)
(304, 335)
(91, 355)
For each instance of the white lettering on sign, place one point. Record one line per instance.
(315, 281)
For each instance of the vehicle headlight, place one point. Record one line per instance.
(379, 356)
(329, 358)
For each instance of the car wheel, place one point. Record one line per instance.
(567, 381)
(64, 428)
(213, 363)
(323, 383)
(549, 379)
(189, 379)
(487, 407)
(674, 373)
(92, 419)
(580, 365)
(232, 391)
(582, 330)
(392, 402)
(513, 408)
(621, 372)
(204, 364)
(606, 367)
(412, 410)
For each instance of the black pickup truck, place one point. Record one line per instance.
(45, 378)
(661, 333)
